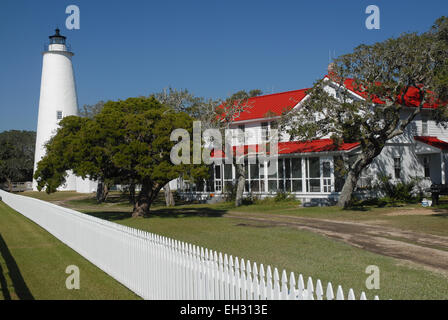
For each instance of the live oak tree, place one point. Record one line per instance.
(228, 112)
(16, 156)
(395, 79)
(213, 114)
(179, 101)
(126, 141)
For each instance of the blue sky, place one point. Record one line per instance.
(210, 47)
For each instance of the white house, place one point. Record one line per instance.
(306, 169)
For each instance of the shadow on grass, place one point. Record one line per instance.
(440, 213)
(20, 287)
(161, 213)
(357, 208)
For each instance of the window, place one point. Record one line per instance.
(59, 115)
(272, 176)
(241, 137)
(264, 131)
(313, 177)
(254, 177)
(218, 181)
(326, 172)
(426, 166)
(397, 167)
(424, 126)
(296, 174)
(262, 176)
(228, 177)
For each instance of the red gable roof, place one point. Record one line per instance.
(274, 104)
(261, 106)
(411, 98)
(289, 147)
(433, 141)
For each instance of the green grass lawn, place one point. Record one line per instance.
(33, 263)
(294, 250)
(433, 223)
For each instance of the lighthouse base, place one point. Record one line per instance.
(76, 184)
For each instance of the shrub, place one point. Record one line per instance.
(409, 191)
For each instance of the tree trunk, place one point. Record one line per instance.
(146, 196)
(169, 198)
(102, 191)
(132, 193)
(241, 181)
(99, 191)
(351, 181)
(347, 189)
(141, 207)
(9, 184)
(105, 191)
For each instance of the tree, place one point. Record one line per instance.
(89, 111)
(179, 101)
(215, 114)
(395, 78)
(228, 112)
(16, 156)
(127, 141)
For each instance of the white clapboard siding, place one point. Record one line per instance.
(156, 267)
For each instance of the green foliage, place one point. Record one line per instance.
(382, 74)
(17, 155)
(405, 191)
(282, 196)
(230, 192)
(128, 141)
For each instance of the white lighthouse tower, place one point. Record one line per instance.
(57, 97)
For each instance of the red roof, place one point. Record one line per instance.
(261, 106)
(411, 98)
(433, 141)
(274, 104)
(321, 145)
(289, 147)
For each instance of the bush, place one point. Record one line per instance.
(230, 192)
(280, 197)
(285, 197)
(401, 191)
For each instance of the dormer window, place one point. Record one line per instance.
(59, 115)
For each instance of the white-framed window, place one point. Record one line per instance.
(313, 175)
(397, 167)
(59, 115)
(273, 175)
(254, 176)
(326, 176)
(218, 181)
(228, 176)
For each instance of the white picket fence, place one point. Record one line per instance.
(156, 267)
